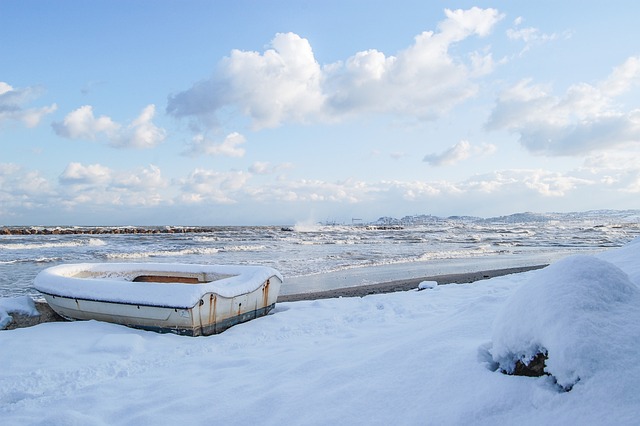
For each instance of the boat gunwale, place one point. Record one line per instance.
(105, 300)
(232, 281)
(123, 303)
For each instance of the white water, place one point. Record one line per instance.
(321, 257)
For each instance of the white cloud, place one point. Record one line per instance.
(584, 119)
(266, 168)
(98, 189)
(422, 81)
(619, 169)
(462, 23)
(623, 78)
(97, 185)
(206, 186)
(141, 180)
(261, 168)
(79, 174)
(286, 83)
(83, 124)
(12, 105)
(459, 152)
(229, 147)
(141, 133)
(553, 184)
(531, 36)
(283, 84)
(20, 189)
(415, 190)
(542, 182)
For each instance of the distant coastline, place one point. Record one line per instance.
(382, 223)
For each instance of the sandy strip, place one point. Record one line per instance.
(404, 285)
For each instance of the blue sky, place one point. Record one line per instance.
(203, 112)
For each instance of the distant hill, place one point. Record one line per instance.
(525, 217)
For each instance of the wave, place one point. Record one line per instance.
(244, 248)
(95, 242)
(202, 251)
(458, 254)
(205, 239)
(163, 253)
(35, 260)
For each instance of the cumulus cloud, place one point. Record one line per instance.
(141, 133)
(141, 179)
(79, 174)
(13, 102)
(21, 188)
(96, 185)
(287, 84)
(283, 84)
(229, 147)
(459, 152)
(203, 186)
(83, 124)
(586, 118)
(17, 181)
(543, 182)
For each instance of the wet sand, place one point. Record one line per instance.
(407, 284)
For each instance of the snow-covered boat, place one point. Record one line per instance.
(184, 299)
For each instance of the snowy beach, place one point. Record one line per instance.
(319, 213)
(410, 357)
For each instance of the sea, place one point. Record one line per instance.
(314, 256)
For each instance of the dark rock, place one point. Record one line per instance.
(535, 367)
(46, 315)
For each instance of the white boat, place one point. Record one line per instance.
(184, 299)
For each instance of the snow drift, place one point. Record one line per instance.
(577, 311)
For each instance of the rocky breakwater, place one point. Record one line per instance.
(101, 230)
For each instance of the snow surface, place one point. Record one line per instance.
(407, 358)
(576, 311)
(113, 282)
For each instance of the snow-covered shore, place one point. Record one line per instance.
(413, 357)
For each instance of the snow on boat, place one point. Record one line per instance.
(191, 300)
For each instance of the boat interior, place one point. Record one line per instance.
(157, 276)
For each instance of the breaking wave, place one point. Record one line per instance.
(95, 242)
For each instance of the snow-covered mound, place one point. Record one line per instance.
(16, 305)
(627, 258)
(581, 311)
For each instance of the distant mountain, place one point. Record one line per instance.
(524, 217)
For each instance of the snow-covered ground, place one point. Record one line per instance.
(412, 358)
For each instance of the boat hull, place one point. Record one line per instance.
(211, 314)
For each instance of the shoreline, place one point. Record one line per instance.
(48, 315)
(406, 284)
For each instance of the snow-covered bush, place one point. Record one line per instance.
(580, 312)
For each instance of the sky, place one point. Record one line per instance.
(281, 112)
